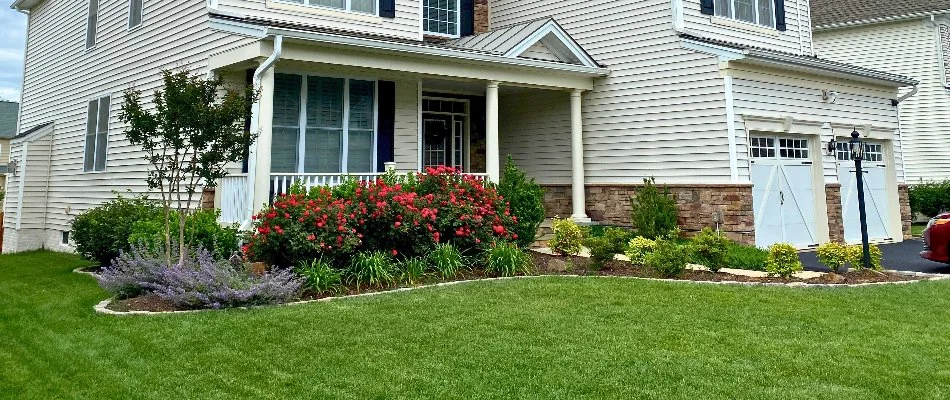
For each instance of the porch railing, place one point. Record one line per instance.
(234, 197)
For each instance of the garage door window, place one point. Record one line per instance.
(763, 147)
(873, 152)
(769, 147)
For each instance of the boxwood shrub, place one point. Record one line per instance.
(101, 233)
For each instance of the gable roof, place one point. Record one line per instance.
(833, 13)
(8, 115)
(36, 130)
(514, 40)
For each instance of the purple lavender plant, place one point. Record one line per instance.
(131, 272)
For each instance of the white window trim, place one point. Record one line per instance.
(129, 26)
(95, 34)
(348, 4)
(105, 164)
(732, 16)
(345, 147)
(458, 22)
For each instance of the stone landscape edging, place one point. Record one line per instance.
(102, 307)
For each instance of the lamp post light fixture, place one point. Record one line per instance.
(857, 154)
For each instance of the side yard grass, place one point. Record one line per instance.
(562, 338)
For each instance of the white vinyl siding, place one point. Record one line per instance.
(760, 12)
(363, 6)
(796, 39)
(913, 49)
(333, 132)
(136, 13)
(441, 17)
(406, 24)
(92, 24)
(97, 134)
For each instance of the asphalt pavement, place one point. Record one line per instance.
(904, 256)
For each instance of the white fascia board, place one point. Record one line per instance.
(25, 5)
(373, 44)
(820, 67)
(724, 53)
(548, 28)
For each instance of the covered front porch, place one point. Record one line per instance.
(329, 112)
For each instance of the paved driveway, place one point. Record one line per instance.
(904, 256)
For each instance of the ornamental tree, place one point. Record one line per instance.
(194, 131)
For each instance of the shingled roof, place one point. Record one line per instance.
(826, 13)
(8, 116)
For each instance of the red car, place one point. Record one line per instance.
(937, 239)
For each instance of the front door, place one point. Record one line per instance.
(445, 133)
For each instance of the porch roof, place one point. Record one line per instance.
(514, 40)
(404, 55)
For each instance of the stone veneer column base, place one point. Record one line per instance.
(835, 212)
(907, 218)
(610, 204)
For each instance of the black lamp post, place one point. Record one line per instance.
(857, 154)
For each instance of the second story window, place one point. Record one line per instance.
(363, 6)
(97, 134)
(136, 13)
(92, 23)
(760, 12)
(441, 17)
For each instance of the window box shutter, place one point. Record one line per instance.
(386, 135)
(708, 7)
(387, 8)
(780, 15)
(468, 18)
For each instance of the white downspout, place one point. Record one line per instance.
(900, 128)
(255, 124)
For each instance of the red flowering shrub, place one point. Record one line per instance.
(406, 218)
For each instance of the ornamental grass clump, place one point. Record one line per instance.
(411, 270)
(783, 260)
(321, 277)
(446, 261)
(373, 269)
(507, 259)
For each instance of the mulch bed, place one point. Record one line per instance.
(149, 302)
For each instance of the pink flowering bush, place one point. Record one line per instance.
(406, 217)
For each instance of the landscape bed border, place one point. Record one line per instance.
(102, 307)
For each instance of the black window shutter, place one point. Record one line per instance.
(386, 134)
(468, 18)
(780, 15)
(387, 8)
(708, 7)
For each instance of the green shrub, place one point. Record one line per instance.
(525, 199)
(711, 249)
(507, 259)
(102, 232)
(930, 198)
(832, 255)
(601, 251)
(374, 269)
(639, 248)
(653, 212)
(783, 260)
(411, 270)
(668, 258)
(745, 257)
(446, 261)
(201, 230)
(855, 257)
(567, 237)
(321, 277)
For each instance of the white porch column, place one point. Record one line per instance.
(579, 197)
(492, 157)
(265, 117)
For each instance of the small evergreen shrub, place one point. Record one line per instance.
(372, 269)
(321, 277)
(783, 260)
(411, 270)
(446, 261)
(746, 257)
(201, 230)
(711, 249)
(653, 212)
(567, 237)
(668, 258)
(832, 255)
(525, 199)
(639, 248)
(855, 257)
(507, 259)
(601, 251)
(101, 233)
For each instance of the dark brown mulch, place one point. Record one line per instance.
(149, 302)
(865, 276)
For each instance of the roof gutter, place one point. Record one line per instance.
(880, 20)
(255, 124)
(818, 65)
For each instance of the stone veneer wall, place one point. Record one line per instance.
(696, 203)
(835, 212)
(481, 16)
(907, 218)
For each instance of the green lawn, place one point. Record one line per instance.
(918, 229)
(564, 338)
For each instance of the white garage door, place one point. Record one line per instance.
(875, 193)
(783, 192)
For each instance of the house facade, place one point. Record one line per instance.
(722, 102)
(906, 37)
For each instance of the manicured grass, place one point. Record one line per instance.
(564, 338)
(918, 229)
